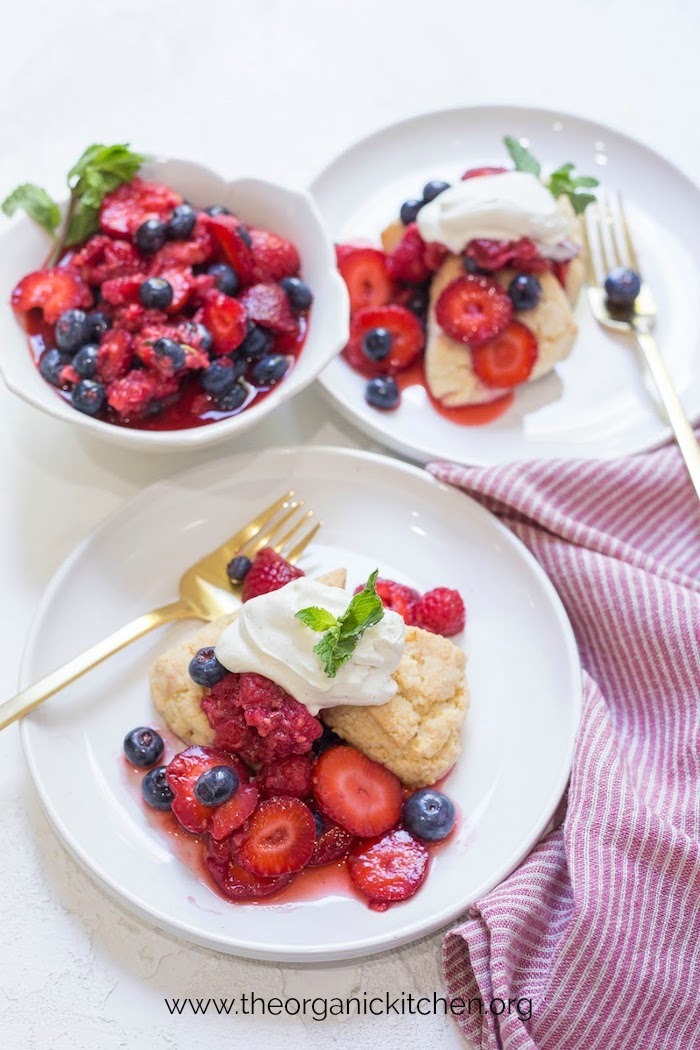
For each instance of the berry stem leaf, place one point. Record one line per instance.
(36, 202)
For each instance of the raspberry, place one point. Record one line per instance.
(289, 776)
(127, 207)
(407, 261)
(268, 305)
(102, 259)
(397, 597)
(121, 291)
(269, 572)
(193, 252)
(282, 721)
(131, 395)
(495, 255)
(115, 355)
(441, 611)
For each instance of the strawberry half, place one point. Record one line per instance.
(131, 204)
(473, 309)
(225, 231)
(226, 320)
(474, 173)
(280, 838)
(407, 339)
(182, 774)
(53, 291)
(508, 359)
(407, 262)
(365, 273)
(269, 572)
(235, 881)
(357, 793)
(389, 869)
(332, 844)
(274, 257)
(268, 305)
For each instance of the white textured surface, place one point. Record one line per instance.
(275, 88)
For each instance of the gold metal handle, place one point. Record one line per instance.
(687, 442)
(35, 694)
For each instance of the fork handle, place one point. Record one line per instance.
(33, 695)
(687, 442)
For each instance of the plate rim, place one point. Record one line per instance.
(409, 932)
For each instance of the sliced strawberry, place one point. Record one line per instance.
(235, 881)
(103, 259)
(225, 231)
(357, 793)
(115, 355)
(274, 257)
(364, 271)
(268, 305)
(52, 291)
(183, 772)
(120, 291)
(508, 359)
(496, 255)
(198, 249)
(280, 838)
(226, 320)
(390, 868)
(407, 339)
(231, 815)
(288, 776)
(269, 572)
(474, 173)
(332, 844)
(397, 597)
(473, 309)
(407, 261)
(127, 207)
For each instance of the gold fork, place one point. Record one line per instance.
(205, 594)
(609, 244)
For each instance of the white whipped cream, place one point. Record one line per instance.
(267, 639)
(497, 207)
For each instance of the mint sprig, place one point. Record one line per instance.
(99, 171)
(561, 182)
(343, 633)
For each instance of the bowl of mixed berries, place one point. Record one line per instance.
(174, 308)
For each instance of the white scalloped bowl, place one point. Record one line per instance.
(290, 213)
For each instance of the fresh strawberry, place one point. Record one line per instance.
(269, 572)
(115, 355)
(132, 394)
(121, 291)
(235, 881)
(226, 320)
(407, 339)
(474, 173)
(396, 596)
(364, 271)
(183, 772)
(473, 309)
(496, 255)
(390, 868)
(441, 611)
(357, 793)
(407, 261)
(103, 259)
(53, 291)
(124, 210)
(288, 776)
(232, 246)
(332, 843)
(280, 838)
(273, 256)
(268, 305)
(508, 359)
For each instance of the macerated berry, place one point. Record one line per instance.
(234, 398)
(235, 881)
(407, 260)
(397, 597)
(390, 868)
(143, 746)
(287, 776)
(130, 205)
(73, 330)
(115, 355)
(216, 785)
(362, 796)
(299, 294)
(156, 790)
(225, 318)
(332, 842)
(205, 669)
(88, 396)
(473, 309)
(274, 257)
(156, 293)
(269, 370)
(85, 361)
(269, 572)
(508, 359)
(150, 236)
(52, 291)
(280, 838)
(181, 223)
(377, 343)
(365, 273)
(268, 305)
(51, 365)
(496, 255)
(441, 611)
(185, 771)
(406, 333)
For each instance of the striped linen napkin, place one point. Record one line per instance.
(600, 926)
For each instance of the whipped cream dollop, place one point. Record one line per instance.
(267, 639)
(501, 207)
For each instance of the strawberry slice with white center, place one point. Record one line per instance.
(54, 291)
(362, 796)
(473, 309)
(508, 359)
(235, 881)
(280, 838)
(390, 868)
(364, 271)
(184, 771)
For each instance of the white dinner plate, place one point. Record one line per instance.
(523, 673)
(598, 403)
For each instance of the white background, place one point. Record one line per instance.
(273, 88)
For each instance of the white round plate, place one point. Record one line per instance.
(523, 672)
(598, 403)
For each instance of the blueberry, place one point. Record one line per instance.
(205, 669)
(376, 344)
(216, 785)
(382, 392)
(150, 236)
(219, 378)
(155, 789)
(469, 264)
(429, 815)
(433, 189)
(99, 324)
(181, 222)
(409, 210)
(320, 824)
(238, 568)
(525, 291)
(206, 340)
(51, 364)
(85, 361)
(143, 746)
(217, 209)
(299, 294)
(225, 278)
(233, 400)
(73, 330)
(327, 740)
(257, 343)
(155, 293)
(418, 301)
(175, 352)
(269, 370)
(88, 396)
(622, 286)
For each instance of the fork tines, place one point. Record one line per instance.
(279, 526)
(608, 240)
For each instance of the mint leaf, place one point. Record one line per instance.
(344, 632)
(111, 165)
(563, 184)
(36, 202)
(317, 619)
(82, 224)
(521, 157)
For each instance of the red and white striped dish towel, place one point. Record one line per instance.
(600, 926)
